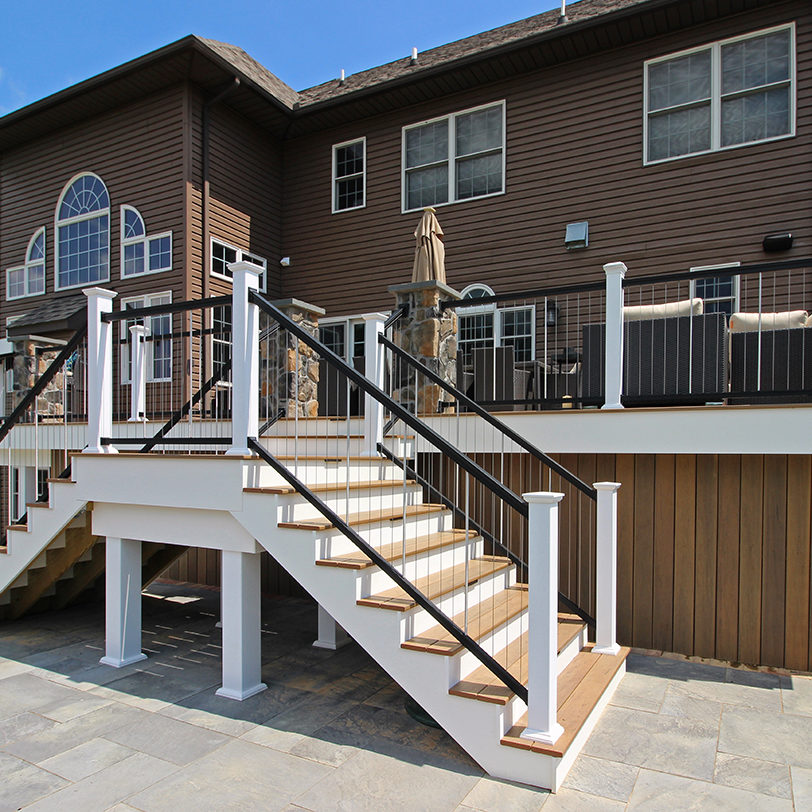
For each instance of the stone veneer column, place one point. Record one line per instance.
(27, 366)
(429, 335)
(283, 372)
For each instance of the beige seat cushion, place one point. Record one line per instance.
(750, 322)
(669, 310)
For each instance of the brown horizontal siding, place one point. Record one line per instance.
(137, 151)
(574, 151)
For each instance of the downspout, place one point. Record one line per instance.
(204, 127)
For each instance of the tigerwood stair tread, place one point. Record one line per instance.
(37, 504)
(482, 619)
(366, 517)
(437, 584)
(483, 685)
(578, 693)
(17, 527)
(394, 551)
(334, 486)
(62, 480)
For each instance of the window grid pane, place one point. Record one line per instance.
(479, 176)
(16, 283)
(134, 259)
(680, 132)
(36, 279)
(679, 81)
(427, 144)
(427, 187)
(475, 332)
(83, 251)
(160, 253)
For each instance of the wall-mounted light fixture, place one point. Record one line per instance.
(577, 235)
(777, 242)
(551, 314)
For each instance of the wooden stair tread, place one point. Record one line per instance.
(367, 517)
(482, 619)
(62, 480)
(483, 685)
(592, 674)
(437, 584)
(37, 504)
(394, 551)
(334, 486)
(23, 527)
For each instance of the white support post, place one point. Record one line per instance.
(99, 370)
(613, 364)
(244, 358)
(331, 635)
(242, 638)
(542, 635)
(373, 369)
(138, 377)
(122, 603)
(606, 569)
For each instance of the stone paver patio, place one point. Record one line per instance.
(330, 733)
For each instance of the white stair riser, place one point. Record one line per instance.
(333, 542)
(294, 508)
(322, 472)
(316, 446)
(311, 425)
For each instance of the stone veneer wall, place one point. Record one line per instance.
(429, 335)
(27, 366)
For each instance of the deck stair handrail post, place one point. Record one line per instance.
(99, 370)
(373, 369)
(542, 611)
(244, 358)
(138, 382)
(613, 366)
(606, 569)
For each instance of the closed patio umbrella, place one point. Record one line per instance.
(429, 255)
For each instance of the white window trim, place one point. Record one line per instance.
(452, 157)
(26, 268)
(722, 267)
(78, 218)
(716, 94)
(263, 279)
(363, 173)
(146, 240)
(145, 298)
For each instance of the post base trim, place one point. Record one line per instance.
(231, 693)
(115, 662)
(611, 650)
(544, 736)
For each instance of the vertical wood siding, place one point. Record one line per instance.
(574, 152)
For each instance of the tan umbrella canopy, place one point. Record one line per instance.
(429, 255)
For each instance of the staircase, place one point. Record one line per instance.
(476, 588)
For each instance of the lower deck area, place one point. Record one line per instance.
(331, 731)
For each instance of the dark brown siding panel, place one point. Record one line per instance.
(706, 542)
(727, 571)
(750, 546)
(574, 152)
(684, 551)
(663, 506)
(774, 559)
(644, 505)
(799, 516)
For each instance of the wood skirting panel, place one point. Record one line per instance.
(714, 551)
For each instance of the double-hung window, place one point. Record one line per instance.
(29, 279)
(349, 175)
(719, 294)
(454, 158)
(83, 233)
(729, 93)
(141, 254)
(158, 347)
(223, 254)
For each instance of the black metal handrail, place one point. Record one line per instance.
(535, 293)
(489, 418)
(439, 442)
(415, 594)
(162, 309)
(43, 381)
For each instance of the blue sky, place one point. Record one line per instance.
(47, 45)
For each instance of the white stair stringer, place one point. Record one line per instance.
(26, 547)
(476, 726)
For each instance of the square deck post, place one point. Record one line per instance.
(373, 369)
(99, 370)
(613, 363)
(606, 569)
(331, 635)
(122, 603)
(242, 643)
(138, 377)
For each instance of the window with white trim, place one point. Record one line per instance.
(158, 350)
(719, 294)
(83, 233)
(142, 254)
(729, 93)
(457, 157)
(349, 175)
(223, 254)
(29, 279)
(487, 326)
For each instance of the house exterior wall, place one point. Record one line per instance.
(574, 152)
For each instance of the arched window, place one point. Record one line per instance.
(83, 233)
(141, 254)
(29, 279)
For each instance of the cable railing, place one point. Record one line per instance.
(728, 334)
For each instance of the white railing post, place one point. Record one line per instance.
(99, 370)
(613, 364)
(373, 369)
(606, 569)
(138, 374)
(542, 613)
(244, 358)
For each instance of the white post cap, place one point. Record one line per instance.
(543, 497)
(615, 268)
